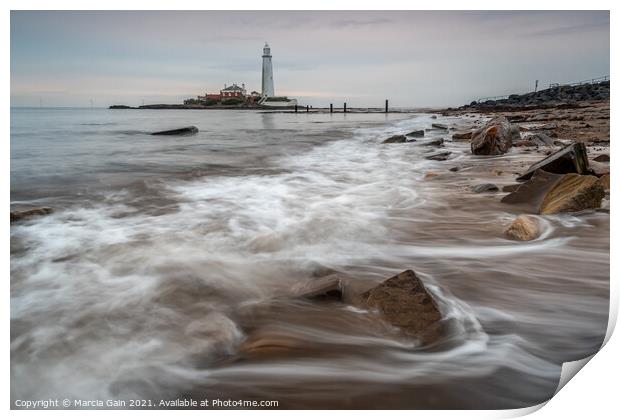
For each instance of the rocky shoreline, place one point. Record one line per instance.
(559, 164)
(549, 174)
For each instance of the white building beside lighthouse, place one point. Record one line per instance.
(268, 96)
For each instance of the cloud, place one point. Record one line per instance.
(415, 58)
(359, 23)
(571, 30)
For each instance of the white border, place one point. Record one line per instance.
(592, 395)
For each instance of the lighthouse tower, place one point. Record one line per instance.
(267, 73)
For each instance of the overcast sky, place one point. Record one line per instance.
(414, 58)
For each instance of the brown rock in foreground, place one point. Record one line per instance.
(523, 228)
(573, 193)
(405, 303)
(494, 138)
(24, 214)
(529, 195)
(547, 193)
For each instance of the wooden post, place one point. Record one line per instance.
(386, 106)
(331, 108)
(345, 107)
(307, 108)
(295, 109)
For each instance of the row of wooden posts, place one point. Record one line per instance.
(344, 108)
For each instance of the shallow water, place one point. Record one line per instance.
(165, 254)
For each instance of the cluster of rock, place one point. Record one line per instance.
(553, 96)
(564, 181)
(417, 137)
(494, 138)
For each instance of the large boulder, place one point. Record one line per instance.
(529, 195)
(547, 193)
(404, 302)
(571, 159)
(395, 139)
(573, 193)
(523, 228)
(184, 131)
(494, 138)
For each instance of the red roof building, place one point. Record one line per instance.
(233, 91)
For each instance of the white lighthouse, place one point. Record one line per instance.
(268, 97)
(267, 73)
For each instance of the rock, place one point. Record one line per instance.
(417, 133)
(439, 156)
(572, 158)
(434, 117)
(454, 169)
(602, 158)
(484, 188)
(404, 302)
(523, 228)
(604, 180)
(430, 175)
(463, 135)
(515, 132)
(549, 126)
(439, 126)
(435, 142)
(598, 168)
(327, 288)
(529, 195)
(25, 214)
(573, 193)
(536, 139)
(177, 132)
(395, 139)
(510, 188)
(494, 138)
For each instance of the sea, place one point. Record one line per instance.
(164, 255)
